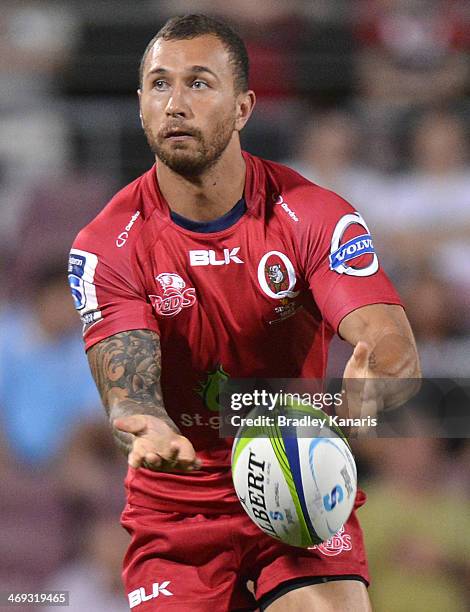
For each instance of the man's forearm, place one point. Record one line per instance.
(394, 364)
(127, 368)
(383, 371)
(393, 356)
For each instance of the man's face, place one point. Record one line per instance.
(188, 103)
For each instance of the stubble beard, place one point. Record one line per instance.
(189, 161)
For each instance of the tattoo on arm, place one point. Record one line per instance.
(127, 368)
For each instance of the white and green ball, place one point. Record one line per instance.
(296, 489)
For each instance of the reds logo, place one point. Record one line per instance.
(276, 276)
(335, 545)
(175, 296)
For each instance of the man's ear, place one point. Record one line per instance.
(245, 102)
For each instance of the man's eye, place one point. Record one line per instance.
(160, 84)
(199, 84)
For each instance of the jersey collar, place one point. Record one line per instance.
(255, 188)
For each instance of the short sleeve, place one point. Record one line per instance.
(341, 264)
(107, 292)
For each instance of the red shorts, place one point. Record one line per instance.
(201, 563)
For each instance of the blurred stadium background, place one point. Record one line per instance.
(370, 98)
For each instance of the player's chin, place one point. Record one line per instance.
(187, 163)
(181, 153)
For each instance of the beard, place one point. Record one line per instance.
(201, 154)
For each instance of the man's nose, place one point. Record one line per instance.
(177, 103)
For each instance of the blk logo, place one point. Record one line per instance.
(202, 257)
(140, 596)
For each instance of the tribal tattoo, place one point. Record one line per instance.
(126, 368)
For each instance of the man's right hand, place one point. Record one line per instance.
(156, 446)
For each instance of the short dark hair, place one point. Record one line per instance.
(191, 26)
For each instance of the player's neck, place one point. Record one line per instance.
(209, 196)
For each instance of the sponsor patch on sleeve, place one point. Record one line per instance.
(354, 255)
(81, 275)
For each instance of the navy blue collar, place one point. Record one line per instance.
(217, 225)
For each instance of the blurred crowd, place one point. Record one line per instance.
(368, 98)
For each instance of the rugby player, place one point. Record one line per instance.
(217, 264)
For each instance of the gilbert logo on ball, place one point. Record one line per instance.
(296, 489)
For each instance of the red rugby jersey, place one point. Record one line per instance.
(261, 298)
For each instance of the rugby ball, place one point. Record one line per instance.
(300, 490)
